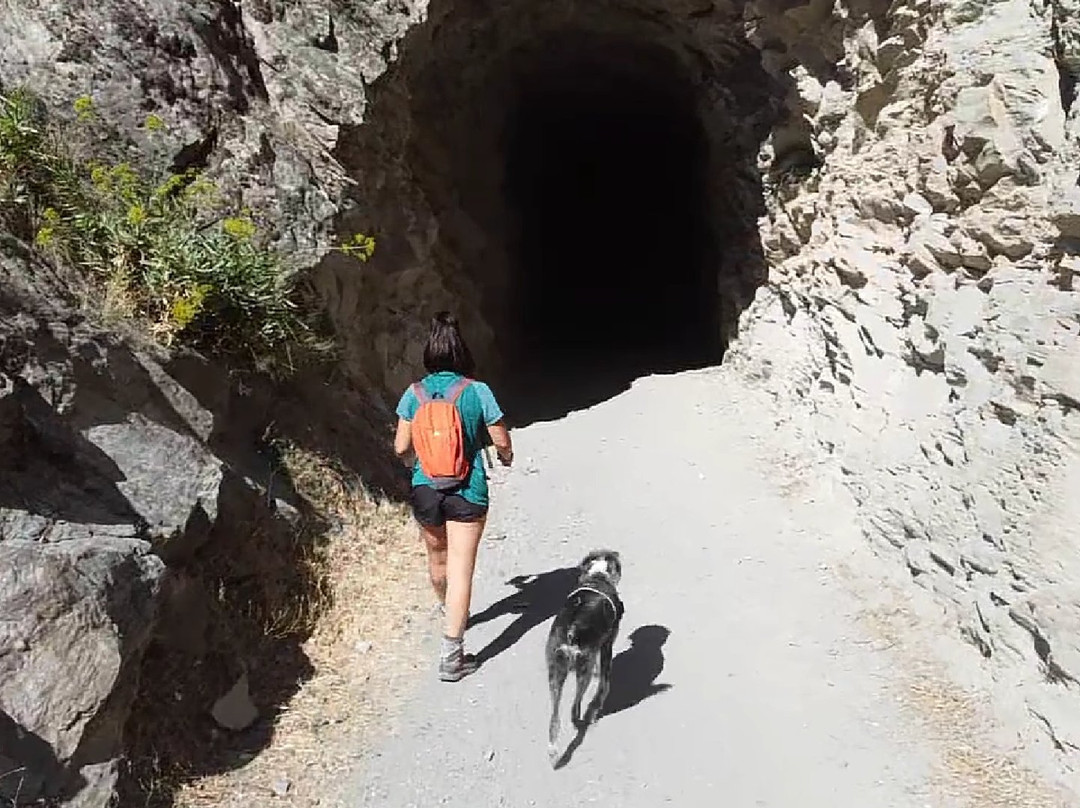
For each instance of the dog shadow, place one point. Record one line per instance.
(537, 599)
(635, 670)
(633, 679)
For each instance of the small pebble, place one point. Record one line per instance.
(281, 786)
(490, 754)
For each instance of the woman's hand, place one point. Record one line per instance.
(500, 436)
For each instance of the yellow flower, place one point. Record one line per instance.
(187, 307)
(239, 228)
(124, 174)
(169, 186)
(200, 187)
(100, 176)
(84, 107)
(360, 247)
(136, 215)
(154, 123)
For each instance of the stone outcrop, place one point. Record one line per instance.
(263, 97)
(113, 480)
(77, 614)
(921, 316)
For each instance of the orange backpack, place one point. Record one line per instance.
(439, 437)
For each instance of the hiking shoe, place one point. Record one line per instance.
(457, 666)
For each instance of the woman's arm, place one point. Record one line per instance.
(403, 439)
(500, 437)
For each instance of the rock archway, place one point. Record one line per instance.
(580, 184)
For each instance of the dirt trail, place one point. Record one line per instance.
(770, 667)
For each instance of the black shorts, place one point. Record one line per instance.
(433, 508)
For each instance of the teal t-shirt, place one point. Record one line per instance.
(478, 409)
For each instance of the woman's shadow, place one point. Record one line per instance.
(633, 679)
(538, 598)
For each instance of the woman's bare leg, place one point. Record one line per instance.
(434, 539)
(462, 539)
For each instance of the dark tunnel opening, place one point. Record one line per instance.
(614, 261)
(585, 192)
(605, 182)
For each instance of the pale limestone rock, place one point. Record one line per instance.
(982, 428)
(929, 238)
(917, 205)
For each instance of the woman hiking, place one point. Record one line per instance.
(447, 419)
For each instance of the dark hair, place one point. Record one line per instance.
(446, 348)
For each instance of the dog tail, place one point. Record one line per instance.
(568, 648)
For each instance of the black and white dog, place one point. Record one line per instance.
(582, 637)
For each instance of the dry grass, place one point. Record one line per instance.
(971, 771)
(362, 639)
(322, 618)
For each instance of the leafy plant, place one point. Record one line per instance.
(168, 252)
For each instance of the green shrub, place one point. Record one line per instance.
(169, 252)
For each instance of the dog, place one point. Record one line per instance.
(581, 639)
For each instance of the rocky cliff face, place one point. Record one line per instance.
(892, 231)
(921, 310)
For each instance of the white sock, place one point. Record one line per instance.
(451, 646)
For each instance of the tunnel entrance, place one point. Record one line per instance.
(580, 184)
(613, 260)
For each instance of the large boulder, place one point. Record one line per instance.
(109, 471)
(99, 439)
(74, 618)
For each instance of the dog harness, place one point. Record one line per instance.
(604, 595)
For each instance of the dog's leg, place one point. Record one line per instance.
(603, 686)
(557, 672)
(584, 674)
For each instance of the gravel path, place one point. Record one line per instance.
(752, 680)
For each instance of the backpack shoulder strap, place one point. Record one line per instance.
(457, 388)
(421, 393)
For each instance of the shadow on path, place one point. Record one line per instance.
(635, 670)
(572, 747)
(550, 386)
(538, 598)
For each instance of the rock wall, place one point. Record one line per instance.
(87, 486)
(136, 484)
(133, 487)
(258, 96)
(921, 317)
